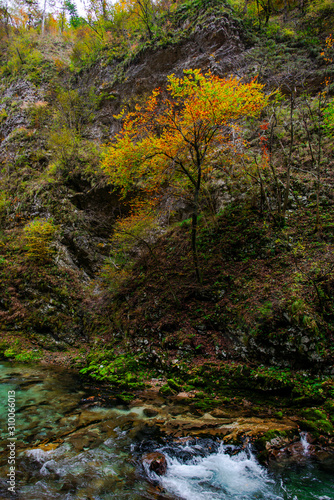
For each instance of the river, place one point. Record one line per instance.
(66, 447)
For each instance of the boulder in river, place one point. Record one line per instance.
(155, 462)
(150, 412)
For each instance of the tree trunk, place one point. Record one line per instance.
(285, 12)
(194, 235)
(43, 17)
(319, 145)
(288, 158)
(287, 191)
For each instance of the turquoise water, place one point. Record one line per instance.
(66, 449)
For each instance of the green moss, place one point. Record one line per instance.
(313, 414)
(205, 403)
(120, 370)
(267, 437)
(317, 427)
(316, 421)
(174, 385)
(23, 356)
(166, 390)
(329, 406)
(127, 397)
(28, 356)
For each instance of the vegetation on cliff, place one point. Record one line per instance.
(78, 264)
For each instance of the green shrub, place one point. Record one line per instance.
(39, 235)
(3, 115)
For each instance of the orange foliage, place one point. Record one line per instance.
(177, 138)
(174, 137)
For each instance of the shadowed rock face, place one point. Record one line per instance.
(217, 47)
(20, 94)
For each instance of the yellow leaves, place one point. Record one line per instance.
(120, 115)
(134, 226)
(329, 41)
(170, 140)
(39, 235)
(219, 100)
(327, 53)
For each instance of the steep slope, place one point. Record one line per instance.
(51, 172)
(42, 181)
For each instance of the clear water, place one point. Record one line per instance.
(67, 450)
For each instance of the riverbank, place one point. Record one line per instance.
(234, 402)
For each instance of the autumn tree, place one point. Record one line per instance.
(178, 136)
(5, 20)
(145, 10)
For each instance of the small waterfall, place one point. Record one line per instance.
(221, 475)
(305, 444)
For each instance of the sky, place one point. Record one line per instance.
(80, 7)
(79, 3)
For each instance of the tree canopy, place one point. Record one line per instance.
(178, 137)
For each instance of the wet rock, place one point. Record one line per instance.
(155, 462)
(30, 383)
(70, 483)
(257, 428)
(288, 453)
(185, 440)
(185, 427)
(150, 412)
(88, 417)
(176, 410)
(84, 440)
(218, 413)
(69, 421)
(326, 459)
(183, 397)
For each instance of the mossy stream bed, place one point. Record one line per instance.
(69, 445)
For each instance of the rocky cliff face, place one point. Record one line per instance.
(84, 208)
(214, 46)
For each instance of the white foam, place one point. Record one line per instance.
(39, 455)
(218, 476)
(42, 456)
(305, 443)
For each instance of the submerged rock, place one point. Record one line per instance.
(150, 412)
